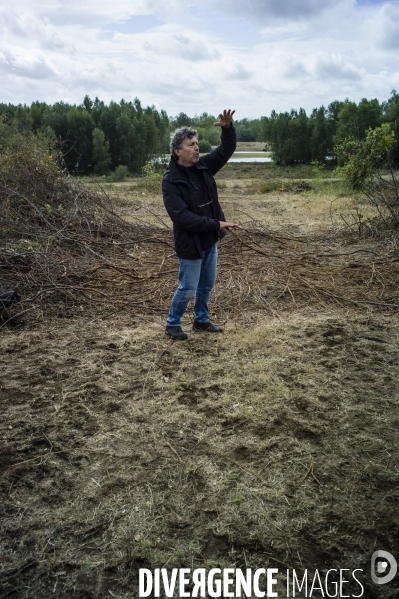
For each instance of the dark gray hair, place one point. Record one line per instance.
(179, 136)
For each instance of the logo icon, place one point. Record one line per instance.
(386, 565)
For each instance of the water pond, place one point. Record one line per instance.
(250, 157)
(254, 159)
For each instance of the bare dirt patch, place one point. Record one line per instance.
(122, 449)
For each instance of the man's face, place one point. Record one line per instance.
(188, 154)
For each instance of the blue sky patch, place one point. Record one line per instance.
(136, 24)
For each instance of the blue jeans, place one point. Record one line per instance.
(196, 277)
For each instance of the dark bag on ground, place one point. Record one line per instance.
(8, 299)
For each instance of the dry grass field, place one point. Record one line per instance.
(272, 445)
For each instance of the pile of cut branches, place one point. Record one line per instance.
(68, 252)
(275, 270)
(62, 245)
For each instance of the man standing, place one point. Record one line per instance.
(191, 200)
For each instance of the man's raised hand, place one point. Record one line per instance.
(225, 118)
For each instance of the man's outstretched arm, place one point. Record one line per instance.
(216, 159)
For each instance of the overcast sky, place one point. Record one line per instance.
(200, 55)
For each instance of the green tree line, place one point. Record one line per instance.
(97, 138)
(296, 137)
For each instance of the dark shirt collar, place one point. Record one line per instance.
(176, 170)
(184, 169)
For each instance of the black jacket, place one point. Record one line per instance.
(181, 205)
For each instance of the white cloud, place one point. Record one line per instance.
(296, 53)
(262, 11)
(167, 41)
(384, 27)
(337, 68)
(238, 71)
(22, 65)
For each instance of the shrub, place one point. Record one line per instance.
(204, 146)
(151, 180)
(363, 158)
(268, 186)
(211, 134)
(366, 165)
(149, 169)
(120, 173)
(245, 134)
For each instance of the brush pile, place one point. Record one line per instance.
(62, 246)
(68, 251)
(277, 270)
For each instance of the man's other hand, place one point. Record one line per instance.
(226, 226)
(225, 118)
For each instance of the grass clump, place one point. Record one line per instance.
(270, 186)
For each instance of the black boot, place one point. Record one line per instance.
(206, 326)
(176, 333)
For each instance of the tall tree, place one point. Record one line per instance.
(355, 120)
(101, 155)
(289, 136)
(321, 140)
(391, 115)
